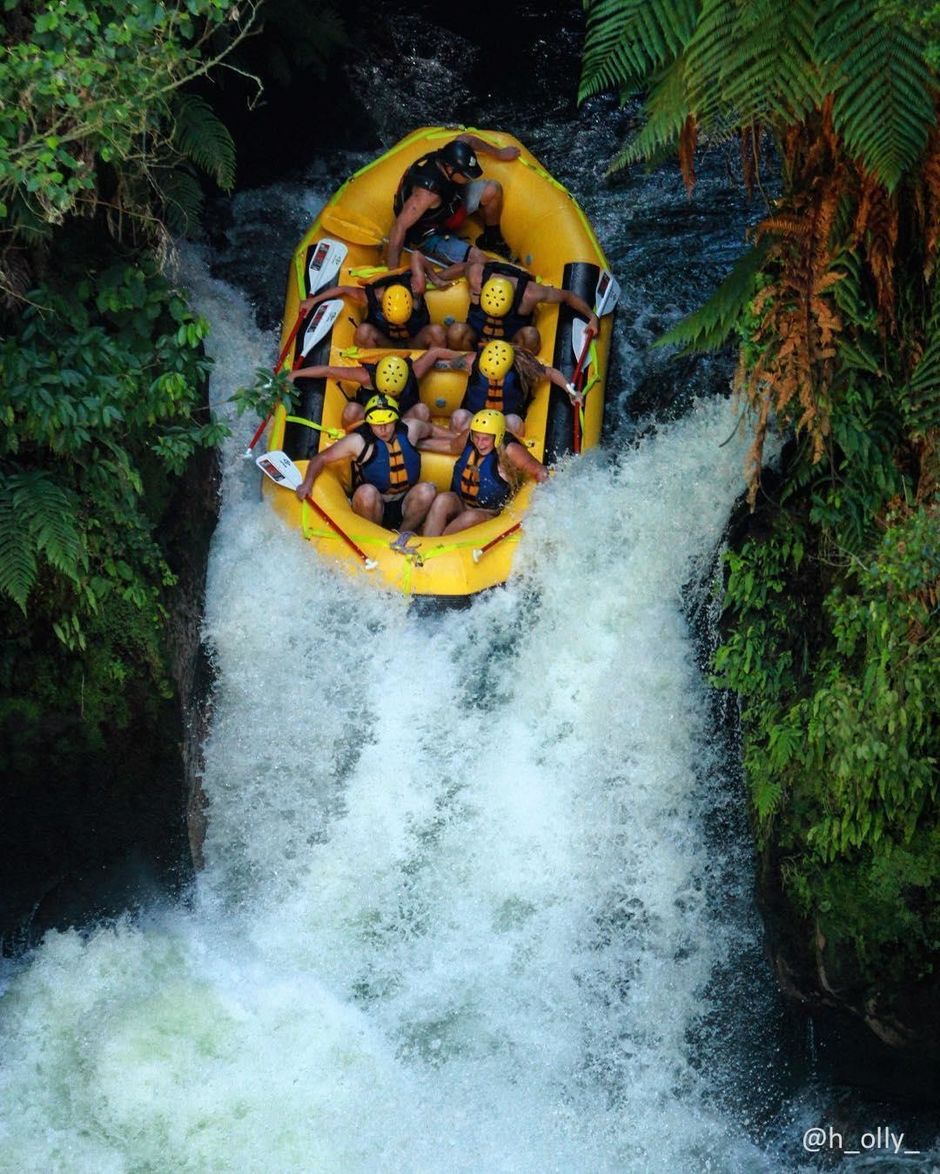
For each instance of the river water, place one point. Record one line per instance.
(477, 893)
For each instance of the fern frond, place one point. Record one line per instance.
(182, 200)
(709, 327)
(627, 40)
(883, 106)
(200, 135)
(666, 112)
(920, 400)
(17, 556)
(47, 514)
(753, 61)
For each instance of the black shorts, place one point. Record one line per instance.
(392, 513)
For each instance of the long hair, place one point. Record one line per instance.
(529, 370)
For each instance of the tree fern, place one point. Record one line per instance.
(666, 112)
(921, 400)
(883, 105)
(199, 135)
(47, 517)
(182, 200)
(709, 327)
(752, 62)
(629, 39)
(17, 555)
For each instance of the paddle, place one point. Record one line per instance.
(324, 265)
(606, 296)
(320, 324)
(281, 469)
(481, 551)
(319, 327)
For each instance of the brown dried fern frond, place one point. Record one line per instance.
(688, 138)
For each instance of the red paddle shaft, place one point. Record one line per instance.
(333, 525)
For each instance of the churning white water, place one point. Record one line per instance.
(457, 912)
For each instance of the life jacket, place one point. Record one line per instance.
(487, 328)
(425, 173)
(477, 480)
(506, 395)
(393, 466)
(420, 317)
(409, 396)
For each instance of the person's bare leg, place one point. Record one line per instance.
(468, 518)
(418, 501)
(367, 503)
(444, 507)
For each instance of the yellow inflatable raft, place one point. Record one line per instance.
(556, 244)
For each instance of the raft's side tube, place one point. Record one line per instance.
(300, 441)
(581, 278)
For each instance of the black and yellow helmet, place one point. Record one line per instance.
(491, 422)
(496, 297)
(381, 409)
(391, 375)
(496, 359)
(397, 304)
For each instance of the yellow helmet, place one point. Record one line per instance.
(391, 375)
(491, 422)
(381, 410)
(496, 359)
(496, 297)
(397, 304)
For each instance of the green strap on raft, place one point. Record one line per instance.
(333, 433)
(412, 558)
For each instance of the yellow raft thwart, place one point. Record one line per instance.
(555, 243)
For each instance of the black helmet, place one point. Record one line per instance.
(460, 156)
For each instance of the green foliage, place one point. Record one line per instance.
(91, 110)
(883, 93)
(95, 394)
(267, 390)
(733, 66)
(37, 519)
(840, 726)
(628, 40)
(201, 137)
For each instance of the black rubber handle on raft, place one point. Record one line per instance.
(300, 442)
(581, 278)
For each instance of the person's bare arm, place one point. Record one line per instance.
(555, 376)
(452, 273)
(353, 374)
(507, 154)
(551, 295)
(517, 456)
(443, 359)
(420, 200)
(342, 450)
(452, 444)
(352, 292)
(418, 430)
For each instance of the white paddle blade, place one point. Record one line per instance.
(579, 340)
(607, 294)
(280, 468)
(324, 265)
(320, 324)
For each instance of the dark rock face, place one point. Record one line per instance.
(885, 1044)
(91, 831)
(190, 523)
